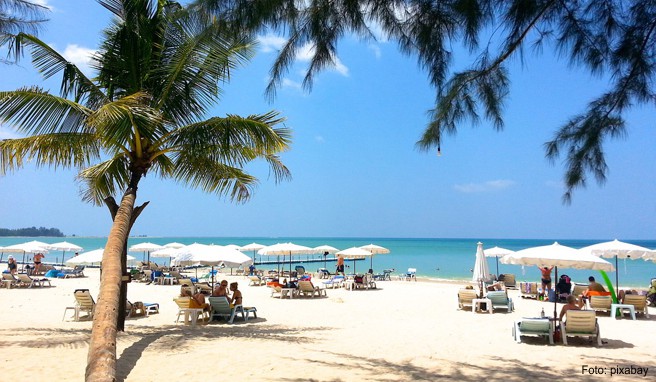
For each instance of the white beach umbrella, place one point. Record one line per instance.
(325, 250)
(285, 249)
(200, 254)
(375, 250)
(481, 271)
(617, 249)
(174, 245)
(233, 246)
(28, 247)
(558, 256)
(91, 258)
(252, 247)
(165, 252)
(64, 246)
(354, 253)
(497, 252)
(145, 247)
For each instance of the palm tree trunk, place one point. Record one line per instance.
(101, 360)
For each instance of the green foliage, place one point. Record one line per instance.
(159, 69)
(613, 38)
(31, 232)
(20, 16)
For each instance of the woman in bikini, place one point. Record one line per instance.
(236, 295)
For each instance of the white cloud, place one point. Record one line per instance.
(492, 185)
(80, 56)
(270, 43)
(319, 139)
(287, 83)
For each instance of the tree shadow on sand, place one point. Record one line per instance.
(185, 337)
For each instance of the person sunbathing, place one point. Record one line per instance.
(197, 300)
(221, 289)
(236, 295)
(572, 303)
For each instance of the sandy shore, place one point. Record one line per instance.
(400, 331)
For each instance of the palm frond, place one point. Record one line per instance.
(34, 112)
(49, 62)
(104, 179)
(124, 122)
(213, 177)
(63, 150)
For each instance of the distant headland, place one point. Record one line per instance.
(31, 231)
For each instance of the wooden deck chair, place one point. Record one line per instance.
(306, 288)
(533, 327)
(638, 301)
(600, 303)
(500, 299)
(220, 308)
(580, 323)
(465, 297)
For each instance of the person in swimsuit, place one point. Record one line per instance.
(236, 295)
(340, 264)
(11, 265)
(37, 262)
(221, 289)
(546, 280)
(197, 300)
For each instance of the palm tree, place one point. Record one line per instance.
(158, 71)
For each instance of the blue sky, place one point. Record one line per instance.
(356, 171)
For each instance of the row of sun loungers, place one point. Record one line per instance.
(23, 280)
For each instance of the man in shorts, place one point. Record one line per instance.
(37, 262)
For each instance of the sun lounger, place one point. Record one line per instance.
(84, 303)
(509, 281)
(190, 314)
(638, 301)
(334, 282)
(500, 300)
(533, 327)
(581, 323)
(600, 303)
(465, 297)
(221, 309)
(8, 280)
(29, 281)
(256, 280)
(307, 289)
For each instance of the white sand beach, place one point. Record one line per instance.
(402, 330)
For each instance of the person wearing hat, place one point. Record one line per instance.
(11, 265)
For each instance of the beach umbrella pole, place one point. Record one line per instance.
(617, 279)
(497, 257)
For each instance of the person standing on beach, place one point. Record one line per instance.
(546, 280)
(340, 265)
(37, 262)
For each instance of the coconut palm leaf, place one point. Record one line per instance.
(103, 179)
(49, 63)
(56, 150)
(34, 111)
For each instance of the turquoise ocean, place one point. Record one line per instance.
(433, 258)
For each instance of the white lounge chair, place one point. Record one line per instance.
(500, 300)
(533, 327)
